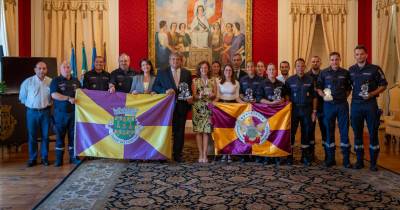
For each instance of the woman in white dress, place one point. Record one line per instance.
(228, 92)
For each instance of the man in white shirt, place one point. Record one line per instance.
(35, 95)
(284, 67)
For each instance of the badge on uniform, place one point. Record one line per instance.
(364, 90)
(184, 92)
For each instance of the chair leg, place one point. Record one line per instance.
(387, 139)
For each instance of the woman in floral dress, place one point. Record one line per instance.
(204, 91)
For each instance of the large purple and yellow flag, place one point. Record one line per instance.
(123, 126)
(256, 129)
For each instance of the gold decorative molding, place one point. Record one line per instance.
(10, 3)
(75, 5)
(318, 7)
(385, 6)
(151, 13)
(249, 30)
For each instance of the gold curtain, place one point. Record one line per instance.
(385, 23)
(74, 22)
(303, 33)
(11, 14)
(333, 15)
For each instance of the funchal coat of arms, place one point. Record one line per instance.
(124, 128)
(252, 128)
(7, 122)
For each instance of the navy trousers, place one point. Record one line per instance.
(64, 124)
(38, 120)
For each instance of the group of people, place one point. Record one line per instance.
(316, 95)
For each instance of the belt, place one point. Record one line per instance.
(39, 109)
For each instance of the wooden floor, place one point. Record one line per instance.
(23, 188)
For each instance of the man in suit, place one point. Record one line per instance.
(237, 66)
(167, 81)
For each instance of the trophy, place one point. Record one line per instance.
(248, 95)
(277, 94)
(364, 90)
(184, 92)
(328, 94)
(207, 91)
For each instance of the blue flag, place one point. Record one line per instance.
(73, 63)
(84, 60)
(94, 55)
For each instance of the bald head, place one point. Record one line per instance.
(65, 69)
(124, 61)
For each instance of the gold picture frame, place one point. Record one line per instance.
(153, 26)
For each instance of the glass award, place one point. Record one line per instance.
(364, 90)
(184, 92)
(277, 94)
(248, 95)
(207, 91)
(328, 94)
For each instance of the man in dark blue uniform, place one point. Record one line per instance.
(250, 90)
(98, 78)
(301, 92)
(62, 90)
(273, 93)
(314, 73)
(250, 85)
(334, 86)
(121, 78)
(368, 82)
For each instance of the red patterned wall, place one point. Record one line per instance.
(365, 25)
(24, 27)
(133, 30)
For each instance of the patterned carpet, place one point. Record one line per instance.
(110, 184)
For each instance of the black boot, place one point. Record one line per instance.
(325, 152)
(305, 156)
(330, 159)
(360, 159)
(59, 158)
(312, 152)
(374, 159)
(346, 157)
(289, 160)
(72, 158)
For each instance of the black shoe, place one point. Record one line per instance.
(178, 159)
(259, 159)
(31, 163)
(373, 168)
(45, 162)
(347, 165)
(289, 160)
(358, 165)
(58, 163)
(329, 163)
